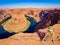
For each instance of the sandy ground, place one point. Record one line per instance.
(32, 38)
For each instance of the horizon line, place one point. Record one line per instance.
(32, 5)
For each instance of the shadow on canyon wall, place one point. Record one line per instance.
(48, 18)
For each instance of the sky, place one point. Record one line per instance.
(29, 3)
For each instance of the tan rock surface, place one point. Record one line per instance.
(31, 38)
(21, 39)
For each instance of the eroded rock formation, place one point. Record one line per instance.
(48, 18)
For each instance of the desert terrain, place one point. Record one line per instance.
(20, 22)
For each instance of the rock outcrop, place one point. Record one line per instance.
(48, 18)
(45, 18)
(31, 38)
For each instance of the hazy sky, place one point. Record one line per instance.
(29, 3)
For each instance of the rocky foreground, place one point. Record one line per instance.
(32, 38)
